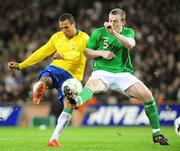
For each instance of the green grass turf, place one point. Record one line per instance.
(87, 139)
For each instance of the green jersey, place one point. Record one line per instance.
(102, 40)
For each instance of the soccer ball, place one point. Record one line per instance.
(177, 126)
(74, 85)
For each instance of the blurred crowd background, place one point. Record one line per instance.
(26, 25)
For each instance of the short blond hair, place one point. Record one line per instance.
(118, 11)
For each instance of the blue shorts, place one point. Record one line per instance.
(58, 76)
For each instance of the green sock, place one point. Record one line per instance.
(152, 113)
(85, 95)
(68, 110)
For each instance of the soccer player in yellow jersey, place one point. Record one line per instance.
(69, 62)
(68, 47)
(70, 43)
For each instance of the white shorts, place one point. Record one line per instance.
(115, 81)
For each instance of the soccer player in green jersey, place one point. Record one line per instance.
(116, 73)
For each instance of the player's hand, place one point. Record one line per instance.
(107, 55)
(58, 56)
(109, 27)
(13, 65)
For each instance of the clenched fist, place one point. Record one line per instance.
(107, 55)
(13, 65)
(58, 56)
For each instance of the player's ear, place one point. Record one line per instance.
(74, 24)
(123, 21)
(59, 25)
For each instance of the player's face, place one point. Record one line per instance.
(67, 28)
(116, 21)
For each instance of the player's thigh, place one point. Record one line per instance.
(140, 91)
(96, 85)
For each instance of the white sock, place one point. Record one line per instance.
(63, 121)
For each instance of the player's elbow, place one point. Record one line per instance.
(130, 46)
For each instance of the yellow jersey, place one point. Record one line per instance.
(72, 50)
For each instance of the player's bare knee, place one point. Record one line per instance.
(142, 92)
(91, 84)
(96, 85)
(46, 80)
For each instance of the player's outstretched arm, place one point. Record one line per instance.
(13, 65)
(90, 53)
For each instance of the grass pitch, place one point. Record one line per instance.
(87, 139)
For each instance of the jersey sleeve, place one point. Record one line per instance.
(39, 54)
(130, 33)
(93, 40)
